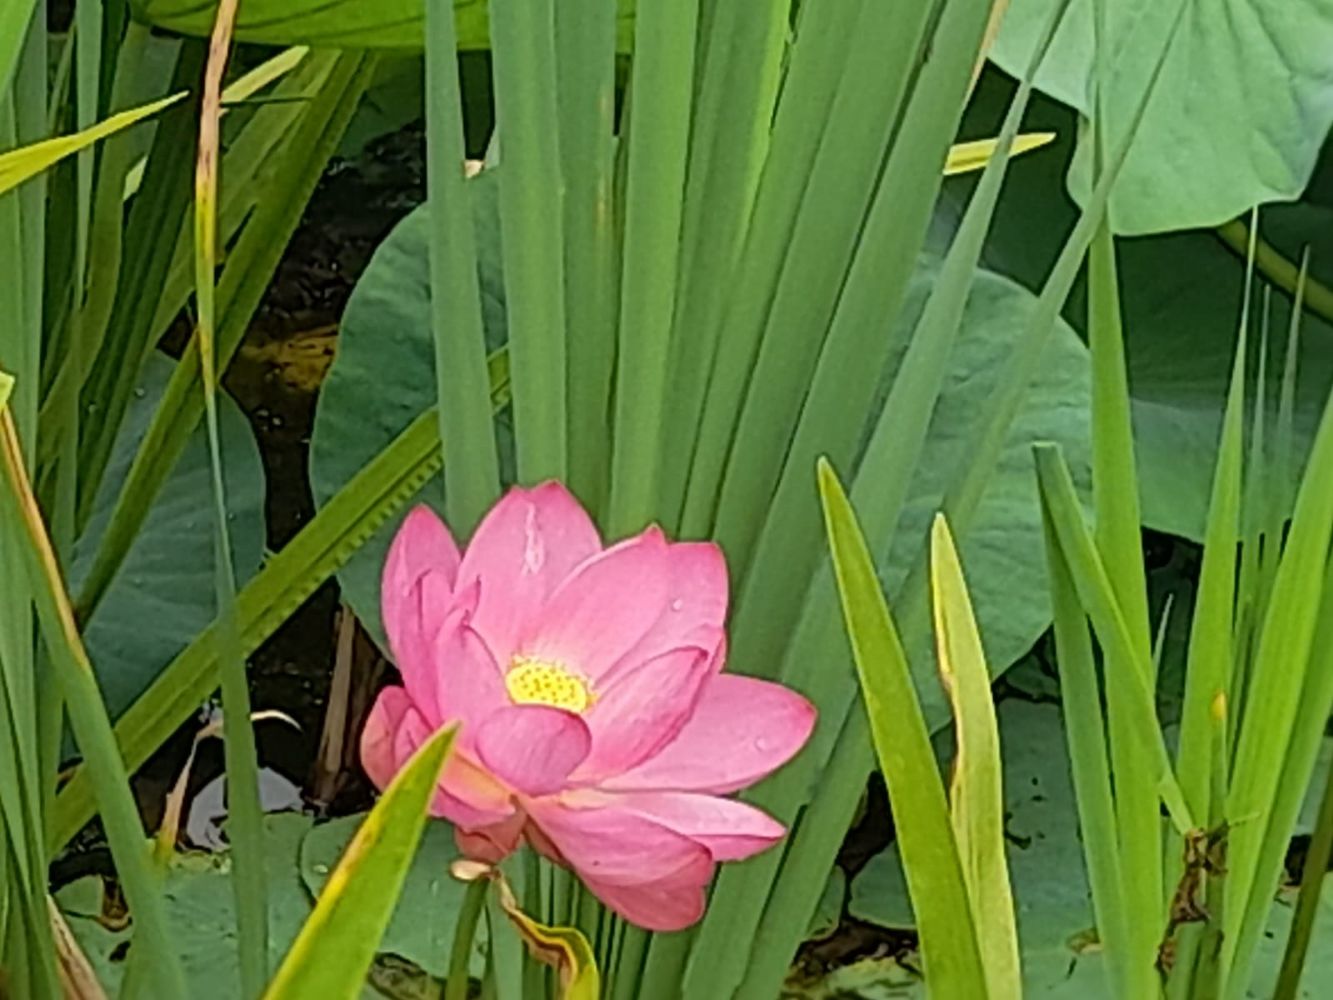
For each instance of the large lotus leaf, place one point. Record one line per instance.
(422, 927)
(385, 24)
(384, 375)
(1244, 101)
(1181, 296)
(164, 595)
(1050, 886)
(199, 903)
(1002, 550)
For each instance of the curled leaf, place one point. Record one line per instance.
(565, 949)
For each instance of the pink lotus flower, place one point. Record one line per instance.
(596, 721)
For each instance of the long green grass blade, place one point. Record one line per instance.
(953, 964)
(1119, 542)
(1098, 600)
(338, 941)
(850, 365)
(472, 477)
(866, 124)
(976, 793)
(1278, 695)
(1085, 733)
(1211, 651)
(242, 760)
(738, 71)
(709, 408)
(757, 892)
(24, 530)
(1307, 904)
(586, 68)
(661, 88)
(531, 230)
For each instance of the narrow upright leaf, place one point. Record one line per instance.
(338, 941)
(248, 881)
(472, 477)
(976, 794)
(953, 965)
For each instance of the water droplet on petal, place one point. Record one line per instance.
(677, 604)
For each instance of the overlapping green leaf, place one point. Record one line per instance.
(1266, 100)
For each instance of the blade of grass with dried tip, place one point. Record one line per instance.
(849, 370)
(338, 941)
(709, 410)
(382, 488)
(472, 475)
(865, 125)
(662, 92)
(244, 280)
(952, 961)
(738, 69)
(1282, 658)
(531, 230)
(936, 878)
(976, 791)
(1098, 600)
(246, 826)
(22, 525)
(21, 777)
(1090, 766)
(586, 70)
(240, 89)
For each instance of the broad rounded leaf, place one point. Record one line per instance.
(164, 594)
(384, 376)
(1243, 103)
(1002, 550)
(200, 906)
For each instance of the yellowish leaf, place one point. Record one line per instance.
(965, 157)
(976, 791)
(26, 162)
(6, 387)
(565, 949)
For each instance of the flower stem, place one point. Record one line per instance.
(455, 987)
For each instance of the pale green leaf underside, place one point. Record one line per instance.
(1244, 103)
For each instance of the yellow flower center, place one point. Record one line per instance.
(541, 682)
